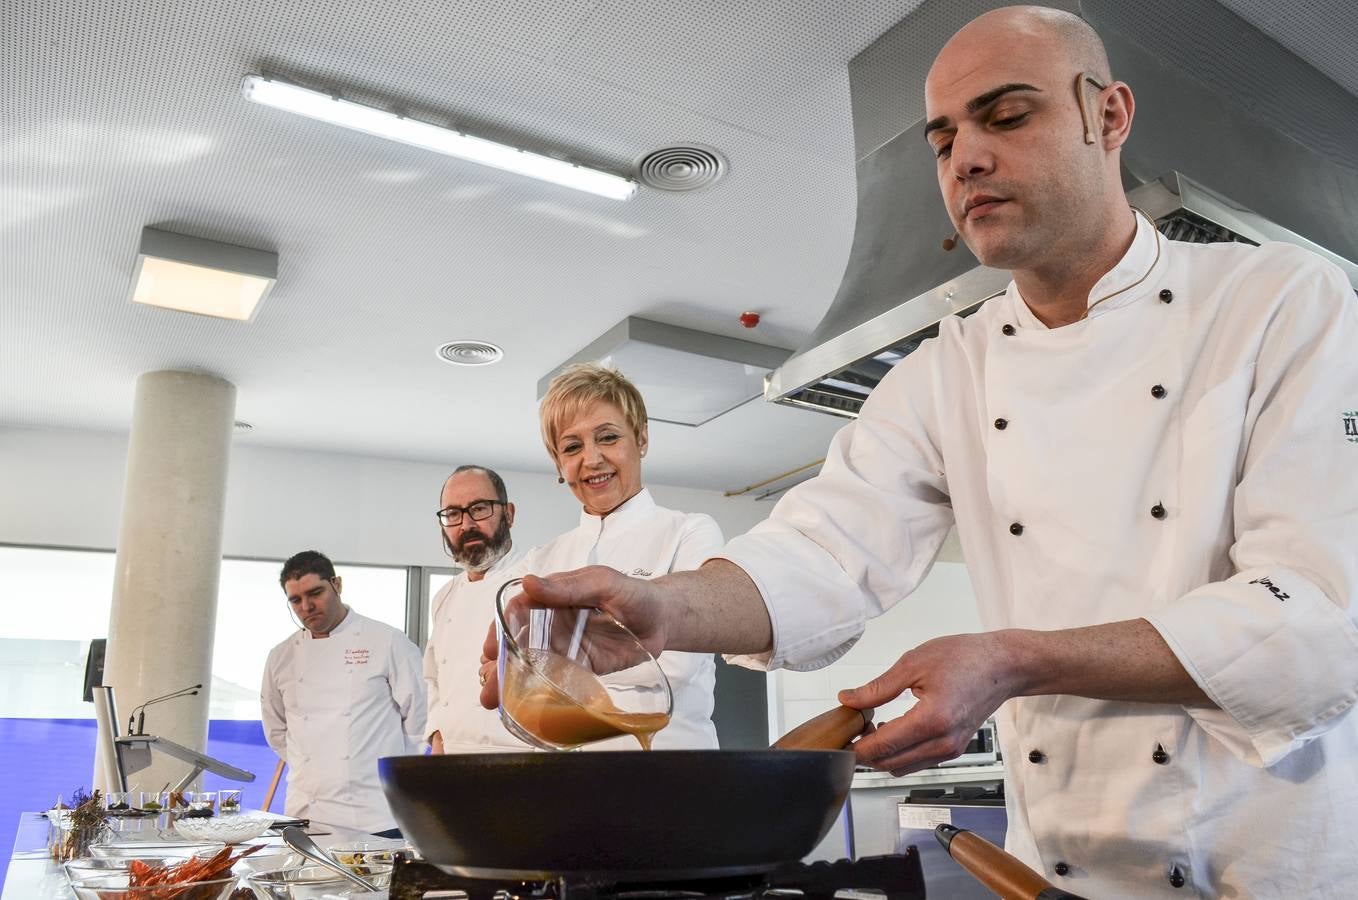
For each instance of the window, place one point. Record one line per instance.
(56, 602)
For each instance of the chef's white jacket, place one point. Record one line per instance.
(644, 540)
(463, 612)
(332, 707)
(1188, 453)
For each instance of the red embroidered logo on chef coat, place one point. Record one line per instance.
(355, 656)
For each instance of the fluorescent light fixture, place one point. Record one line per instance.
(368, 119)
(190, 274)
(687, 377)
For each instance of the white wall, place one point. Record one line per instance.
(943, 604)
(64, 488)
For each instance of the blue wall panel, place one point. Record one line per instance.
(41, 758)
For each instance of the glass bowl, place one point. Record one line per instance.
(91, 866)
(144, 849)
(115, 887)
(315, 882)
(270, 858)
(569, 677)
(227, 829)
(357, 856)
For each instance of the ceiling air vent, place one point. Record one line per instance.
(681, 168)
(470, 353)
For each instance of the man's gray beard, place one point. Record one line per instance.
(495, 548)
(491, 555)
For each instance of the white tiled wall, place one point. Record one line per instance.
(943, 604)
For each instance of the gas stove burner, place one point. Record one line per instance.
(896, 877)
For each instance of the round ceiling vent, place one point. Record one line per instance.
(681, 168)
(470, 353)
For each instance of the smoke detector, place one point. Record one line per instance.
(470, 353)
(685, 168)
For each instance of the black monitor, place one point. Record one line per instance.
(94, 667)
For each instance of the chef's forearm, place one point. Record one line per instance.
(1118, 661)
(715, 609)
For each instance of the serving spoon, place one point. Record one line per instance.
(300, 841)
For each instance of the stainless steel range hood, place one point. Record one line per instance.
(1235, 138)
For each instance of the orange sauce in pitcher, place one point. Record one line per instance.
(555, 717)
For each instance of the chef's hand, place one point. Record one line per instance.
(436, 744)
(634, 602)
(958, 681)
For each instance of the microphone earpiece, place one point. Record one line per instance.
(560, 480)
(950, 243)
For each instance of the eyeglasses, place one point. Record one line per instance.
(478, 511)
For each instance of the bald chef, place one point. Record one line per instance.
(343, 692)
(1150, 453)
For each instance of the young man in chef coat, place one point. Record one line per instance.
(338, 695)
(1143, 446)
(475, 517)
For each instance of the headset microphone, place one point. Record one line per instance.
(950, 242)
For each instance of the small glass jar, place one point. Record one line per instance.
(228, 802)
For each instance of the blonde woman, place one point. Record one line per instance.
(594, 427)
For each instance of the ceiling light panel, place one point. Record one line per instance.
(380, 123)
(188, 274)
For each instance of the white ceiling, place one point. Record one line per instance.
(124, 113)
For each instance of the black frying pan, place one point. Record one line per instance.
(625, 816)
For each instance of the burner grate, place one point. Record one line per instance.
(896, 876)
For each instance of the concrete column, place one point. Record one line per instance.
(169, 558)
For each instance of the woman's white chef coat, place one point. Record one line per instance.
(644, 540)
(463, 612)
(1188, 453)
(333, 707)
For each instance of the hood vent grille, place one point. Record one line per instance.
(1182, 225)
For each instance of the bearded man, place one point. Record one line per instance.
(475, 516)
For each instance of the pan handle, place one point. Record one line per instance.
(832, 730)
(999, 871)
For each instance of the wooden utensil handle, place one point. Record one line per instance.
(831, 730)
(997, 870)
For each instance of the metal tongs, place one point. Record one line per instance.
(300, 841)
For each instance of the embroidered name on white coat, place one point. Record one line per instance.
(356, 656)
